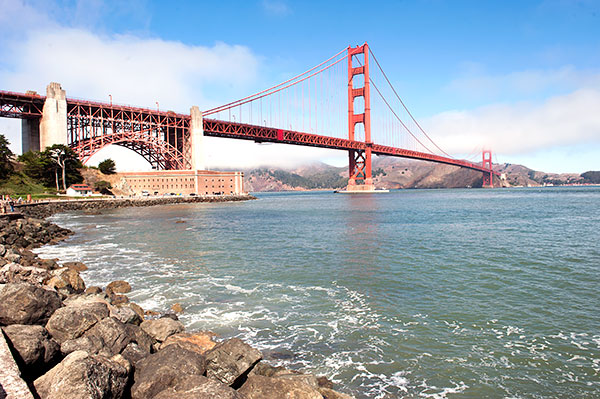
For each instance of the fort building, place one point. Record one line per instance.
(185, 182)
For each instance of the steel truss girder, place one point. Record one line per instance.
(162, 138)
(21, 106)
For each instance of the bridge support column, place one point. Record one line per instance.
(360, 177)
(197, 138)
(488, 177)
(53, 126)
(30, 135)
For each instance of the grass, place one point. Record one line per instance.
(19, 185)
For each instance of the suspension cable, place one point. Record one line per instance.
(402, 102)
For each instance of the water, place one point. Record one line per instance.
(420, 293)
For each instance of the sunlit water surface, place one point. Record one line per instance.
(424, 293)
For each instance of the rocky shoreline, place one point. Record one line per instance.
(43, 209)
(70, 341)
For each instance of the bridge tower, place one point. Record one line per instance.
(488, 177)
(360, 177)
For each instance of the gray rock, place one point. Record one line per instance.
(23, 303)
(134, 353)
(126, 314)
(83, 376)
(165, 369)
(107, 337)
(12, 257)
(110, 334)
(16, 273)
(2, 250)
(199, 387)
(72, 321)
(261, 387)
(161, 329)
(32, 344)
(231, 359)
(85, 344)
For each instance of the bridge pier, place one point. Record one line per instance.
(51, 128)
(197, 138)
(30, 135)
(53, 125)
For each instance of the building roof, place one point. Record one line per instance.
(81, 187)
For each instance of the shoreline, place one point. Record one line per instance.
(152, 344)
(44, 209)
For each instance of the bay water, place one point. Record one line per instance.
(415, 293)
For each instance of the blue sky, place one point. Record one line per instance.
(521, 77)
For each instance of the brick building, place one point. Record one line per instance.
(185, 182)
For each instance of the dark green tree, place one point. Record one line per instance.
(107, 167)
(6, 167)
(68, 164)
(103, 187)
(46, 166)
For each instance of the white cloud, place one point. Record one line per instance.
(276, 7)
(519, 128)
(522, 83)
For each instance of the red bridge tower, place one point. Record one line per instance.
(360, 178)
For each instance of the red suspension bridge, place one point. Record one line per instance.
(346, 103)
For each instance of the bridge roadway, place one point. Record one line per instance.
(26, 105)
(217, 128)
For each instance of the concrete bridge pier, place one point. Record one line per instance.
(30, 135)
(53, 126)
(197, 138)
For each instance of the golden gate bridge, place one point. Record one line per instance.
(345, 103)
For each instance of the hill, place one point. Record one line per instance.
(396, 173)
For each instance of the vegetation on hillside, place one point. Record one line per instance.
(107, 167)
(317, 180)
(38, 172)
(592, 177)
(6, 155)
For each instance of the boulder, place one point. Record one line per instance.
(117, 299)
(32, 345)
(177, 308)
(126, 314)
(200, 342)
(137, 308)
(134, 353)
(72, 321)
(93, 290)
(23, 303)
(2, 250)
(199, 387)
(77, 266)
(66, 282)
(260, 387)
(109, 336)
(161, 329)
(165, 369)
(230, 360)
(15, 273)
(118, 287)
(83, 376)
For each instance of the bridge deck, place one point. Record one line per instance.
(217, 128)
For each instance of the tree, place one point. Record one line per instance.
(107, 167)
(6, 167)
(103, 187)
(44, 166)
